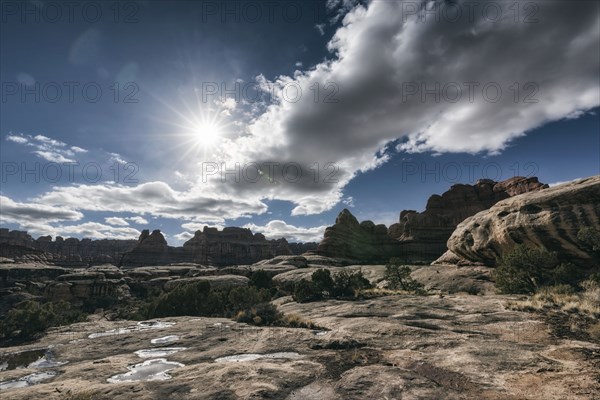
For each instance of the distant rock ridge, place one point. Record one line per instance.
(210, 246)
(67, 252)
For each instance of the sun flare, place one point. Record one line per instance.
(208, 133)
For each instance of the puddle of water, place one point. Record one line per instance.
(321, 333)
(28, 380)
(46, 362)
(150, 370)
(141, 326)
(161, 352)
(165, 339)
(38, 358)
(254, 357)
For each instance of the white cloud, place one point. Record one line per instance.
(184, 236)
(20, 213)
(198, 226)
(116, 158)
(53, 156)
(117, 221)
(277, 229)
(138, 220)
(49, 142)
(47, 148)
(155, 198)
(378, 53)
(91, 230)
(17, 139)
(320, 28)
(563, 182)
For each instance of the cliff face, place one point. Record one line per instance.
(550, 218)
(427, 232)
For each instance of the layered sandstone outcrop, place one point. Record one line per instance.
(425, 234)
(550, 218)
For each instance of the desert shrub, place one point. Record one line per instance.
(590, 238)
(305, 291)
(30, 318)
(526, 269)
(342, 285)
(199, 299)
(348, 284)
(259, 314)
(323, 282)
(261, 280)
(398, 277)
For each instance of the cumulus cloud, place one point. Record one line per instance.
(91, 230)
(138, 220)
(117, 221)
(184, 236)
(198, 226)
(155, 198)
(382, 54)
(20, 213)
(277, 229)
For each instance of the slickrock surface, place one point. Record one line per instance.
(396, 347)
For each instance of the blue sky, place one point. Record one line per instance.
(157, 94)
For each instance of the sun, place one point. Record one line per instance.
(207, 133)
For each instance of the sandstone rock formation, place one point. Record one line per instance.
(550, 218)
(230, 246)
(425, 234)
(364, 242)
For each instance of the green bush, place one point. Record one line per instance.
(590, 238)
(199, 299)
(322, 285)
(323, 282)
(398, 277)
(347, 284)
(30, 318)
(305, 291)
(524, 270)
(261, 280)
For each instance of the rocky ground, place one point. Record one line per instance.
(457, 346)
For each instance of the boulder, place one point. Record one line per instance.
(549, 218)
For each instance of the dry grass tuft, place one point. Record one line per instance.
(86, 395)
(296, 321)
(562, 297)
